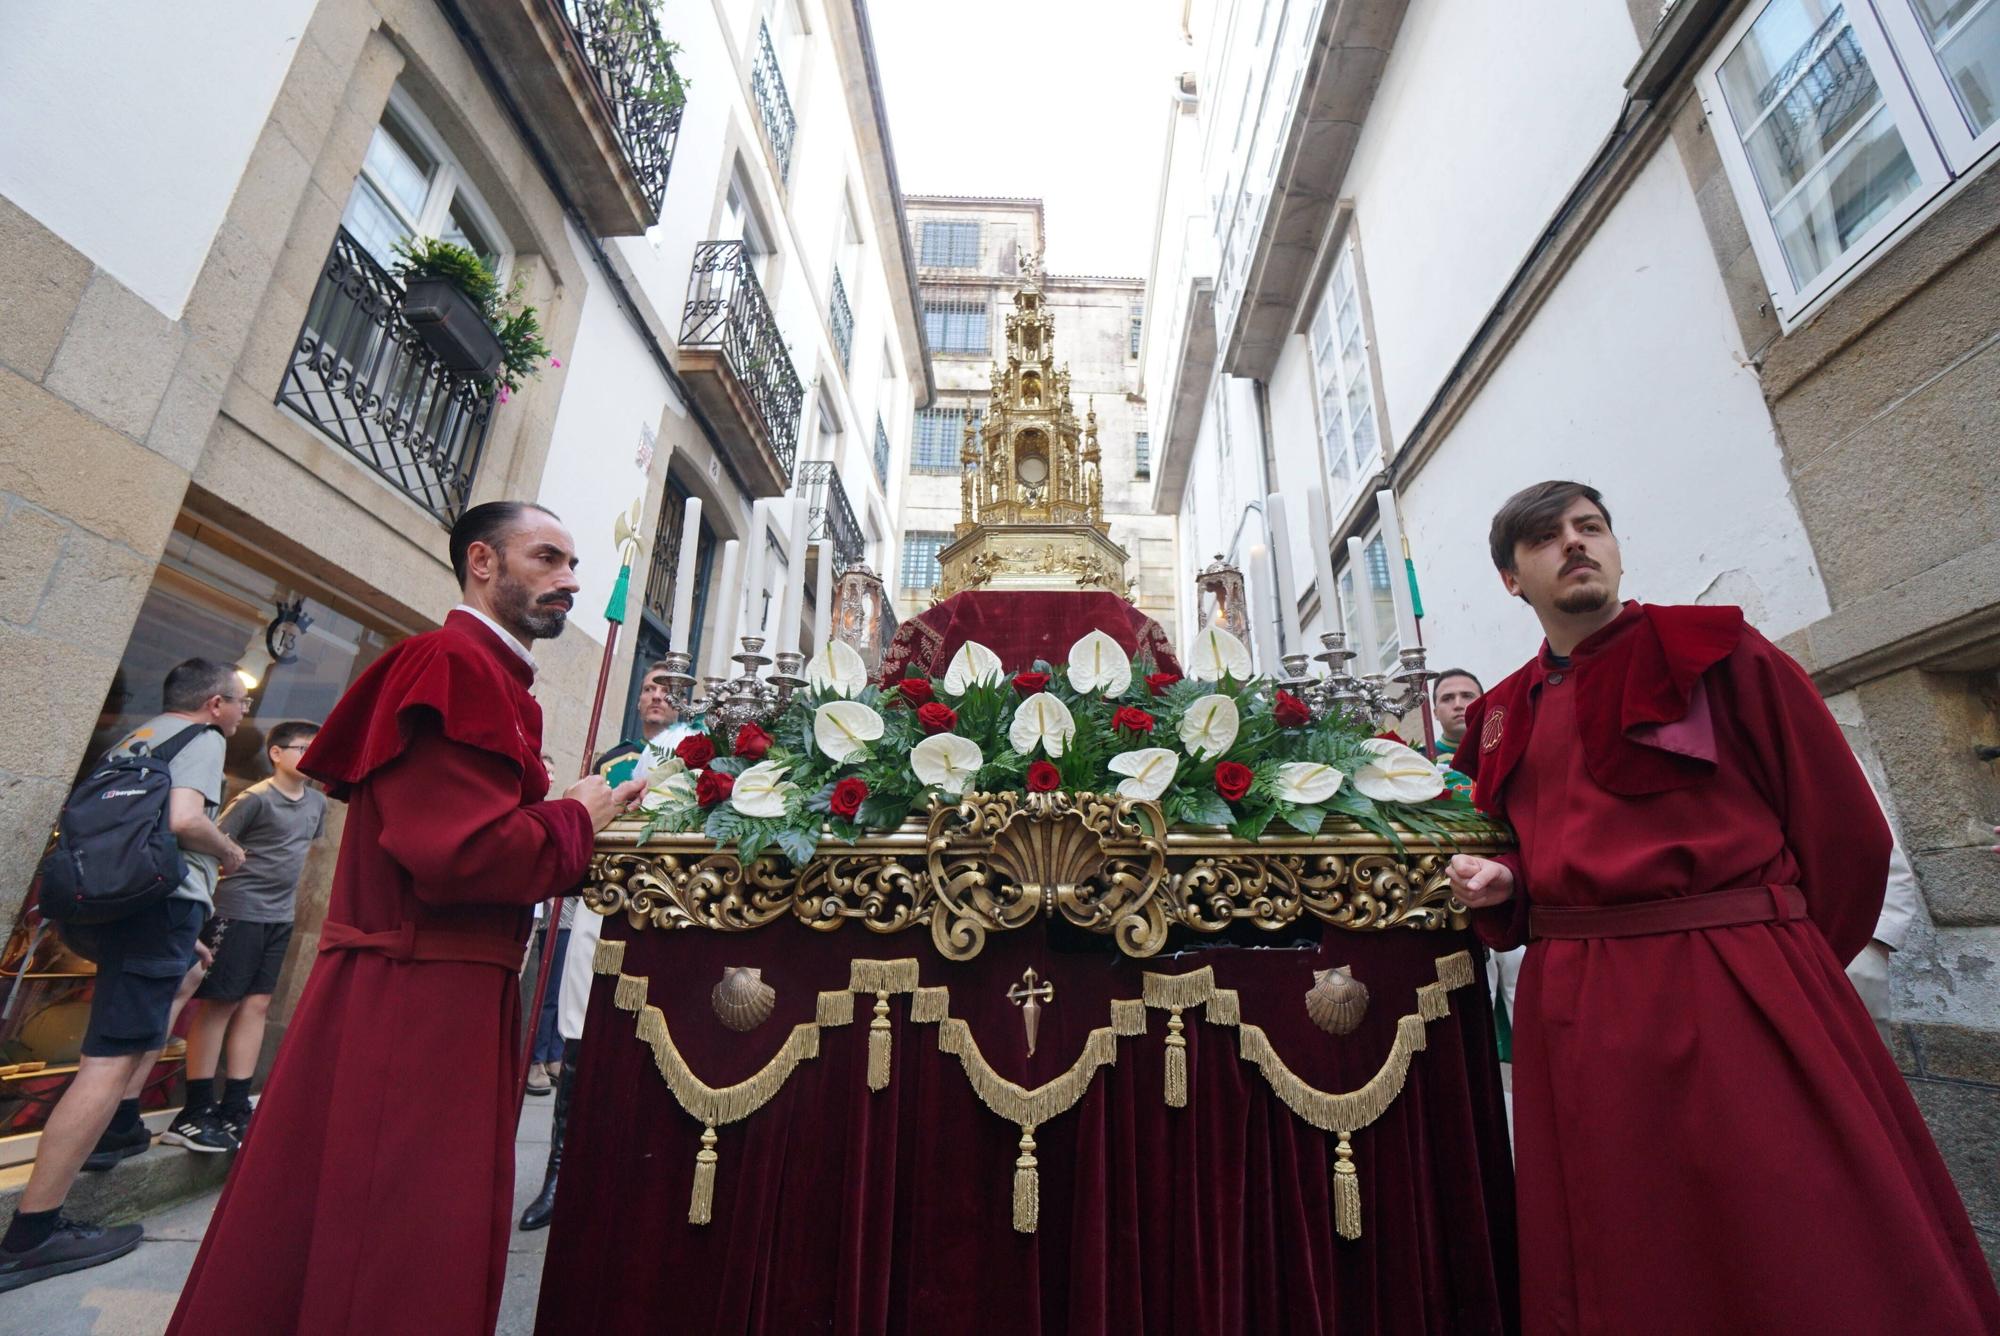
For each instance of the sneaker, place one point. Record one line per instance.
(237, 1121)
(114, 1146)
(538, 1080)
(72, 1247)
(204, 1133)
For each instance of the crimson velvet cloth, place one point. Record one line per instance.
(1710, 1134)
(373, 1189)
(841, 1210)
(1021, 627)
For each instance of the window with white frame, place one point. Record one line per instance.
(958, 323)
(411, 186)
(1375, 557)
(1343, 373)
(921, 570)
(1837, 122)
(881, 452)
(940, 435)
(1142, 450)
(949, 244)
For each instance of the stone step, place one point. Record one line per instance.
(140, 1186)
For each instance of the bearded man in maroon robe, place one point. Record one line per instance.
(1709, 1134)
(375, 1183)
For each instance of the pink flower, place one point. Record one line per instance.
(503, 394)
(555, 361)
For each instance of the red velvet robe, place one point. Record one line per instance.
(1709, 1135)
(373, 1190)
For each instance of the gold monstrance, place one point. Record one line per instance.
(1031, 505)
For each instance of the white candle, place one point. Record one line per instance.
(726, 598)
(1368, 654)
(1287, 586)
(795, 571)
(823, 598)
(677, 627)
(1319, 521)
(753, 573)
(1399, 572)
(1263, 623)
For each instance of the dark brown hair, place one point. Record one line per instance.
(1534, 508)
(489, 522)
(656, 666)
(1438, 684)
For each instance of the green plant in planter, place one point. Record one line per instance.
(516, 324)
(662, 85)
(523, 349)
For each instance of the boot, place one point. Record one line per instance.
(543, 1208)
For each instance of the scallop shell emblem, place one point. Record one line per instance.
(742, 1000)
(1337, 1000)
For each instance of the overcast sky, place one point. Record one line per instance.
(970, 86)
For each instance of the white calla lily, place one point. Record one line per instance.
(667, 781)
(1209, 727)
(946, 761)
(973, 663)
(761, 790)
(1042, 721)
(844, 728)
(837, 667)
(1397, 774)
(1097, 666)
(1307, 782)
(1150, 770)
(1217, 654)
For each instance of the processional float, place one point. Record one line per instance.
(1042, 979)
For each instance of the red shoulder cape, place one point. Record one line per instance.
(459, 676)
(1641, 711)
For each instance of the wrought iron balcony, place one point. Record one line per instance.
(737, 365)
(596, 83)
(621, 44)
(841, 317)
(767, 84)
(361, 375)
(830, 516)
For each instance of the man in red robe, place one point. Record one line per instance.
(375, 1182)
(1709, 1134)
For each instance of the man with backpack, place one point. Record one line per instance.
(149, 958)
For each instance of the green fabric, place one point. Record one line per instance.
(1503, 1027)
(618, 764)
(1416, 598)
(614, 610)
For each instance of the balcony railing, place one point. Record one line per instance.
(830, 516)
(361, 375)
(767, 85)
(620, 41)
(727, 312)
(841, 317)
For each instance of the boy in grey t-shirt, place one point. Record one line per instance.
(276, 821)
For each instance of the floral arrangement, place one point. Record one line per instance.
(1220, 747)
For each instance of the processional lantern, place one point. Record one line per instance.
(1031, 496)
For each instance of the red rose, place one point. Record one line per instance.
(1125, 718)
(937, 717)
(1158, 682)
(752, 742)
(712, 787)
(1232, 780)
(1043, 778)
(915, 690)
(847, 796)
(696, 751)
(1290, 711)
(1029, 683)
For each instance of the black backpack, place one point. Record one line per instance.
(115, 852)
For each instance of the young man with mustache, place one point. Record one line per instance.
(374, 1186)
(1709, 1134)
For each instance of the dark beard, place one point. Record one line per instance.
(526, 619)
(1591, 598)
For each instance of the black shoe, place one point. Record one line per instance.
(114, 1146)
(237, 1121)
(204, 1133)
(72, 1247)
(543, 1208)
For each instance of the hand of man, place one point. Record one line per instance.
(601, 800)
(1480, 882)
(204, 954)
(231, 860)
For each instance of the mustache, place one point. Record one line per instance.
(1578, 564)
(563, 601)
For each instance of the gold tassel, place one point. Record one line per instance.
(1177, 1076)
(878, 1044)
(1346, 1191)
(1027, 1187)
(702, 1206)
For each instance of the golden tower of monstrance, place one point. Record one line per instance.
(1031, 505)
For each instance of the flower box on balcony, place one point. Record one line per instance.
(452, 326)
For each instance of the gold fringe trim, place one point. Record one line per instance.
(1177, 1073)
(1027, 1187)
(1455, 970)
(834, 1009)
(928, 1006)
(702, 1204)
(882, 976)
(630, 994)
(609, 957)
(1433, 1003)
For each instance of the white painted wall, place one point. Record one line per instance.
(127, 126)
(1487, 112)
(1631, 378)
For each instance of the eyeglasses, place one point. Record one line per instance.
(244, 701)
(293, 746)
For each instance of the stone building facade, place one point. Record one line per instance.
(219, 436)
(969, 255)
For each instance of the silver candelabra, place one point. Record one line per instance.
(730, 703)
(1365, 699)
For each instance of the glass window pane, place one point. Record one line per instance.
(374, 224)
(461, 230)
(1385, 604)
(1966, 36)
(399, 167)
(1870, 175)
